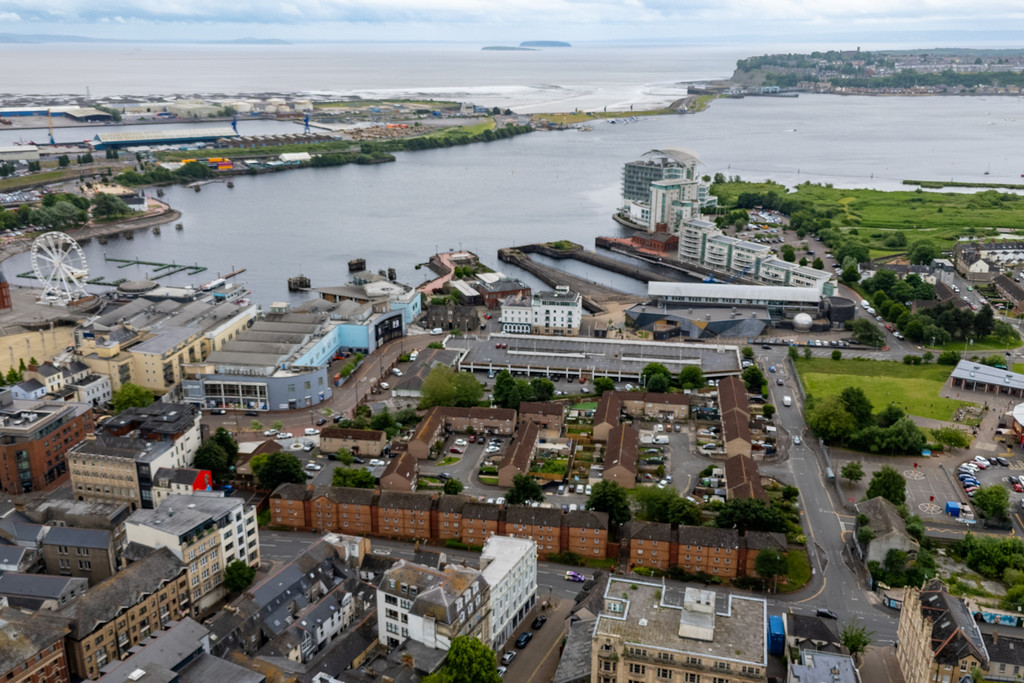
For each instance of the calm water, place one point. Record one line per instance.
(546, 186)
(482, 197)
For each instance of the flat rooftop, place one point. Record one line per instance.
(181, 514)
(653, 615)
(592, 356)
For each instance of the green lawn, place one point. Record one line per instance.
(585, 406)
(798, 571)
(915, 387)
(1017, 367)
(489, 481)
(450, 460)
(989, 343)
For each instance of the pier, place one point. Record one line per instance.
(167, 268)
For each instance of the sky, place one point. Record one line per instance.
(507, 21)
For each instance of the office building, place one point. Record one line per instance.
(509, 566)
(34, 439)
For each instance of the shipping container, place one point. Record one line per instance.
(776, 635)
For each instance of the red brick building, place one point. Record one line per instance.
(34, 438)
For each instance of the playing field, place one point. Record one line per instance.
(913, 387)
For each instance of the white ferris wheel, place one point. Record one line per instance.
(59, 264)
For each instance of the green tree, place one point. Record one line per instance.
(452, 487)
(769, 564)
(279, 468)
(992, 501)
(768, 410)
(608, 496)
(505, 392)
(889, 484)
(63, 161)
(851, 275)
(750, 514)
(468, 661)
(837, 354)
(818, 264)
(210, 456)
(753, 378)
(543, 389)
(238, 576)
(223, 438)
(790, 493)
(603, 384)
(830, 419)
(652, 369)
(106, 205)
(468, 390)
(857, 404)
(445, 387)
(852, 471)
(524, 489)
(788, 253)
(951, 437)
(793, 353)
(866, 332)
(356, 478)
(659, 384)
(855, 638)
(747, 352)
(691, 377)
(131, 396)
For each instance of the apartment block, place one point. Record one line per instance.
(35, 437)
(207, 532)
(85, 553)
(509, 567)
(656, 633)
(116, 615)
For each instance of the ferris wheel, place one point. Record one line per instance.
(59, 263)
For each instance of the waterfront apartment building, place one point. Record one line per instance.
(116, 615)
(509, 566)
(703, 244)
(34, 439)
(205, 531)
(120, 464)
(663, 189)
(650, 632)
(554, 313)
(430, 606)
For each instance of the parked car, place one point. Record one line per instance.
(508, 657)
(377, 463)
(827, 613)
(358, 461)
(321, 421)
(218, 411)
(524, 639)
(461, 442)
(313, 466)
(1018, 488)
(455, 449)
(444, 475)
(312, 431)
(501, 671)
(284, 435)
(270, 432)
(538, 623)
(796, 440)
(1003, 461)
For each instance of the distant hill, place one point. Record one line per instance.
(509, 47)
(38, 38)
(544, 43)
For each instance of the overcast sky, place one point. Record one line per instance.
(505, 21)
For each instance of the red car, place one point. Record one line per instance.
(455, 449)
(1018, 488)
(472, 438)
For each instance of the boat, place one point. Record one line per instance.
(230, 184)
(179, 226)
(159, 192)
(156, 230)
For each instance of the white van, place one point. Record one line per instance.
(385, 386)
(661, 438)
(436, 331)
(787, 401)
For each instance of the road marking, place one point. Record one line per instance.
(540, 664)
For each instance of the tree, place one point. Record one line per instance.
(768, 410)
(770, 563)
(469, 661)
(468, 390)
(753, 378)
(992, 501)
(109, 206)
(788, 253)
(857, 404)
(652, 369)
(852, 472)
(855, 638)
(453, 487)
(837, 354)
(747, 352)
(851, 275)
(63, 161)
(659, 384)
(603, 384)
(608, 496)
(210, 456)
(356, 478)
(830, 419)
(223, 438)
(691, 377)
(131, 396)
(543, 389)
(750, 514)
(238, 576)
(866, 332)
(818, 264)
(445, 387)
(790, 493)
(889, 484)
(951, 437)
(983, 322)
(505, 393)
(665, 506)
(279, 468)
(524, 489)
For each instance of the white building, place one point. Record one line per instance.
(509, 566)
(206, 531)
(431, 606)
(664, 187)
(555, 313)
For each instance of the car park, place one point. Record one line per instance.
(460, 442)
(456, 449)
(1017, 488)
(524, 639)
(444, 475)
(575, 576)
(491, 449)
(358, 461)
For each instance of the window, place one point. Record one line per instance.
(692, 678)
(637, 668)
(665, 674)
(85, 565)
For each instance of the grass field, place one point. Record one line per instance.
(914, 387)
(989, 343)
(798, 571)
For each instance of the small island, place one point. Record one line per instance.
(508, 47)
(544, 43)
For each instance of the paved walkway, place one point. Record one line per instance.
(879, 663)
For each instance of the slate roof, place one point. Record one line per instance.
(291, 492)
(104, 601)
(476, 510)
(883, 517)
(524, 514)
(78, 538)
(622, 450)
(587, 519)
(1004, 649)
(648, 531)
(806, 627)
(540, 408)
(12, 554)
(36, 585)
(344, 494)
(23, 636)
(521, 450)
(455, 504)
(353, 434)
(708, 536)
(955, 634)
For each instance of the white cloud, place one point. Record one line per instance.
(9, 16)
